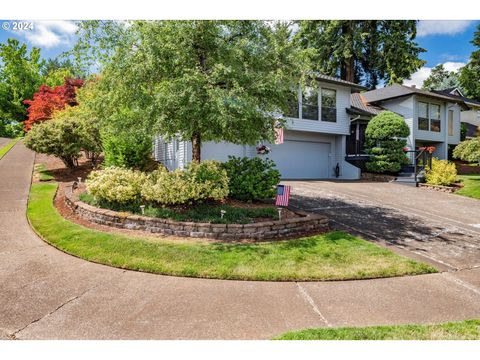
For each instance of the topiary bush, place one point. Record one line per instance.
(116, 185)
(442, 172)
(384, 141)
(468, 150)
(251, 179)
(198, 182)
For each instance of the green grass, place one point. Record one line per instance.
(471, 186)
(43, 174)
(197, 213)
(5, 149)
(331, 256)
(462, 330)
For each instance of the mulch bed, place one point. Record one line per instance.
(464, 168)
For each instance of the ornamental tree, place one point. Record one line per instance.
(47, 100)
(385, 135)
(468, 150)
(199, 80)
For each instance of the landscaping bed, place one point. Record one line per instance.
(462, 330)
(330, 256)
(448, 189)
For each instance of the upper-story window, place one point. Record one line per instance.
(306, 105)
(329, 105)
(310, 104)
(429, 117)
(450, 122)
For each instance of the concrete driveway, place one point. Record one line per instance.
(441, 228)
(46, 294)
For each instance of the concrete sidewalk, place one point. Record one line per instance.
(46, 294)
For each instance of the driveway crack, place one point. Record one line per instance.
(311, 302)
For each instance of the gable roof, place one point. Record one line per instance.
(334, 80)
(469, 102)
(397, 91)
(361, 107)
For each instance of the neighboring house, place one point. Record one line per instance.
(314, 139)
(471, 116)
(326, 126)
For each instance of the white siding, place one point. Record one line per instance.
(341, 126)
(455, 139)
(431, 135)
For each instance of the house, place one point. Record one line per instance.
(469, 117)
(314, 139)
(325, 129)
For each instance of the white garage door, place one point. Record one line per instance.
(301, 159)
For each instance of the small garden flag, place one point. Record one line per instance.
(279, 136)
(283, 195)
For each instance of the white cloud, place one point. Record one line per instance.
(51, 33)
(419, 77)
(442, 27)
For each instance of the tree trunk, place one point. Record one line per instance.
(347, 70)
(196, 147)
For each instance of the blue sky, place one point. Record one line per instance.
(446, 42)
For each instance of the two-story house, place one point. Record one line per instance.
(314, 137)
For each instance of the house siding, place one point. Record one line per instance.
(404, 107)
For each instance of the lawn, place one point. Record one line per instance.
(198, 213)
(471, 186)
(332, 256)
(462, 330)
(5, 149)
(42, 173)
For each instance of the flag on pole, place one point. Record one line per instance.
(283, 195)
(279, 135)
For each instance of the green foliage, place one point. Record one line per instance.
(367, 51)
(468, 150)
(197, 80)
(470, 73)
(463, 131)
(251, 179)
(10, 128)
(441, 79)
(116, 185)
(331, 256)
(443, 172)
(384, 135)
(62, 138)
(19, 78)
(198, 182)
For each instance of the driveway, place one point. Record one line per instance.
(3, 142)
(441, 228)
(46, 294)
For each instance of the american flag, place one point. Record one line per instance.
(283, 195)
(279, 135)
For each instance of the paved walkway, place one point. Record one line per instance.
(46, 294)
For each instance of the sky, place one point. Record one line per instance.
(447, 42)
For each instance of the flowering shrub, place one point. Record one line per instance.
(116, 185)
(251, 179)
(442, 172)
(199, 181)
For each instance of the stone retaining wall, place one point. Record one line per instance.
(304, 224)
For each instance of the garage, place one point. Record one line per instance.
(302, 159)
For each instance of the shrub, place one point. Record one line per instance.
(251, 179)
(383, 138)
(468, 150)
(61, 138)
(116, 185)
(442, 172)
(198, 182)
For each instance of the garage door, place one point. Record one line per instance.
(301, 159)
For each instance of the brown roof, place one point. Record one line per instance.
(358, 102)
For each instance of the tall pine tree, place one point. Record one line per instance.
(470, 73)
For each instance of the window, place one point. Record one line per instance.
(450, 122)
(310, 104)
(435, 118)
(329, 105)
(423, 116)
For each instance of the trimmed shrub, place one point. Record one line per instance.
(198, 182)
(468, 150)
(251, 179)
(62, 138)
(442, 172)
(116, 185)
(384, 135)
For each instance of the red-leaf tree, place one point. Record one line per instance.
(46, 100)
